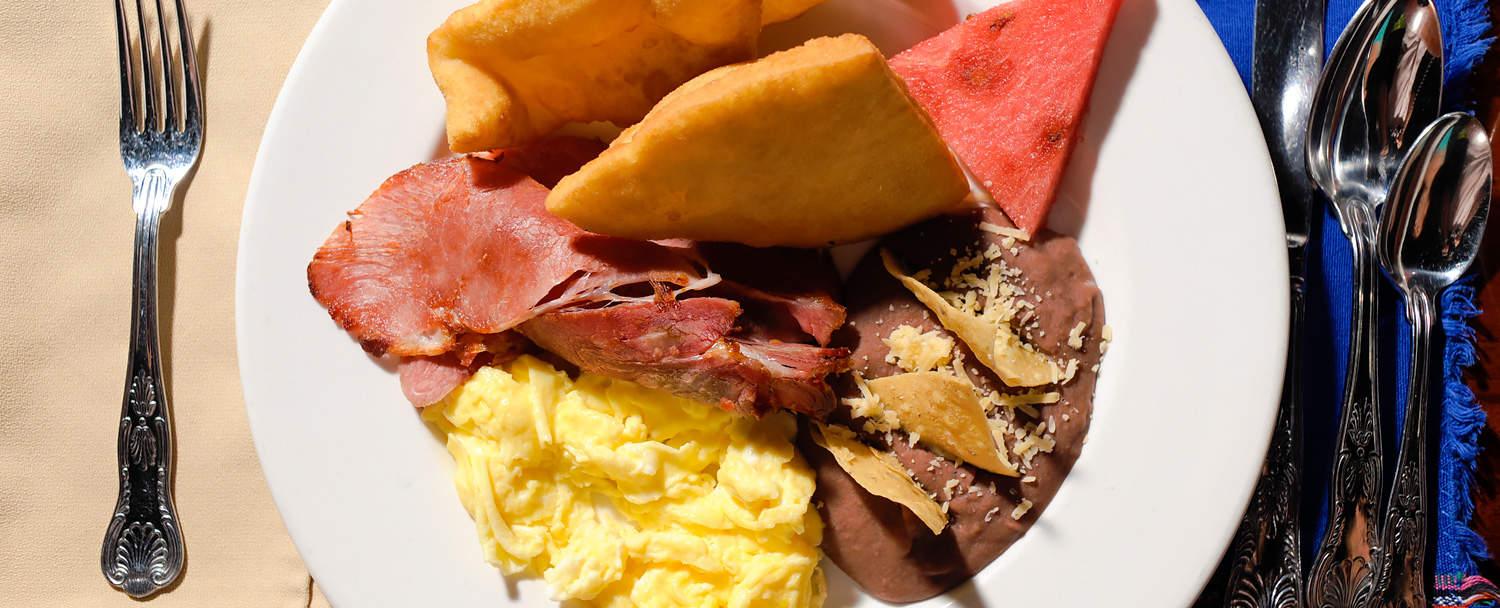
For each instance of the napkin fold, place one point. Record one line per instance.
(1466, 38)
(65, 252)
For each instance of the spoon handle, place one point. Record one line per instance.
(1403, 563)
(1343, 573)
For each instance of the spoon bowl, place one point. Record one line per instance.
(1335, 88)
(1397, 84)
(1429, 234)
(1438, 206)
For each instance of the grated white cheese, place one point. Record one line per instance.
(1075, 335)
(1070, 371)
(913, 350)
(1023, 399)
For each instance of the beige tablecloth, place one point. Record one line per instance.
(65, 241)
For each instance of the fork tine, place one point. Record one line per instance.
(169, 86)
(127, 74)
(148, 84)
(191, 93)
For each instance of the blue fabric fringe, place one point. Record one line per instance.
(1466, 36)
(1458, 546)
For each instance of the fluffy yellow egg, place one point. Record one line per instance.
(619, 495)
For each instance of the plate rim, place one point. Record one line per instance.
(1240, 106)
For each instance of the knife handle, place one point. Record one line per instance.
(1343, 573)
(142, 551)
(1266, 567)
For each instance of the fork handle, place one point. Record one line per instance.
(143, 549)
(1343, 573)
(1403, 564)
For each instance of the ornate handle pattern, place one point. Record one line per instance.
(143, 550)
(1266, 571)
(1343, 574)
(1403, 566)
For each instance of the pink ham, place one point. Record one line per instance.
(465, 245)
(1008, 88)
(426, 380)
(447, 258)
(686, 347)
(788, 293)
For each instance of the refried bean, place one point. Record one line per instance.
(878, 543)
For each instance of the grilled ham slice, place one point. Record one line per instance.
(445, 259)
(686, 347)
(465, 245)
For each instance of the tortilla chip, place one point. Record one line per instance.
(943, 412)
(880, 474)
(994, 344)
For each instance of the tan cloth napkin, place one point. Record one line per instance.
(65, 242)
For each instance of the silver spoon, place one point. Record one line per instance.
(1335, 88)
(1429, 234)
(1369, 113)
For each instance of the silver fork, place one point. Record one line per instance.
(161, 135)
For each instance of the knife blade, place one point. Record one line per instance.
(1265, 555)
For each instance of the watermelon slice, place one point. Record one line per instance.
(1008, 88)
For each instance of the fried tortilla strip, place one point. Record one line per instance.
(994, 344)
(880, 474)
(943, 412)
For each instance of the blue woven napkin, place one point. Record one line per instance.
(1466, 38)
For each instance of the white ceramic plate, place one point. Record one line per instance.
(1170, 191)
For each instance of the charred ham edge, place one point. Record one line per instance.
(784, 304)
(686, 347)
(785, 316)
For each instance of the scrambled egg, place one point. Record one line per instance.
(620, 495)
